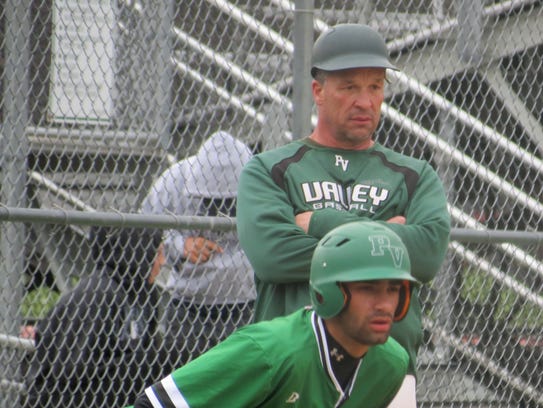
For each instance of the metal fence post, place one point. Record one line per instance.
(444, 282)
(14, 163)
(303, 43)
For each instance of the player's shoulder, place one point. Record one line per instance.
(282, 332)
(392, 353)
(276, 154)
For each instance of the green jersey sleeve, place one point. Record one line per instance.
(278, 249)
(426, 231)
(232, 374)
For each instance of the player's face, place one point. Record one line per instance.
(368, 318)
(349, 106)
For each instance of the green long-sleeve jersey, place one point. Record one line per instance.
(284, 362)
(340, 186)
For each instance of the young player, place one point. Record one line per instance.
(337, 353)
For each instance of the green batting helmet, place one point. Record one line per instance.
(350, 46)
(358, 251)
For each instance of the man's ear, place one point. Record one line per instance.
(317, 90)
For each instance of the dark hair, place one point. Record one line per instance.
(319, 75)
(126, 251)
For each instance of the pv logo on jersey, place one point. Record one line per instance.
(340, 161)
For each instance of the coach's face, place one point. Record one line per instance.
(368, 317)
(349, 107)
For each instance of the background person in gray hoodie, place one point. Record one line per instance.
(211, 280)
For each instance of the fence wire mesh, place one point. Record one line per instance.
(99, 98)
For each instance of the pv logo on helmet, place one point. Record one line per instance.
(380, 243)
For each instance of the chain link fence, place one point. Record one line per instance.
(99, 98)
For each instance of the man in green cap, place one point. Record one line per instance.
(290, 197)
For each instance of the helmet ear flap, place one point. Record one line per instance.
(404, 301)
(346, 295)
(328, 299)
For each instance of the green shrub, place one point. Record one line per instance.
(38, 302)
(477, 289)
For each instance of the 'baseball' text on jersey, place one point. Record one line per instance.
(362, 197)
